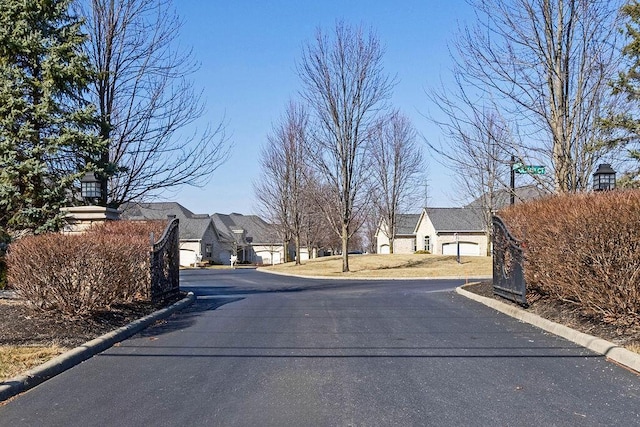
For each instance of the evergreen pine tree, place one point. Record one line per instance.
(47, 131)
(625, 125)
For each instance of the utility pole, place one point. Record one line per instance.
(426, 194)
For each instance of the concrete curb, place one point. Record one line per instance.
(67, 360)
(282, 273)
(610, 350)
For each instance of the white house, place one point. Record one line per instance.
(216, 237)
(257, 241)
(405, 238)
(442, 230)
(199, 239)
(199, 235)
(438, 230)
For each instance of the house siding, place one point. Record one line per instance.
(404, 245)
(401, 244)
(425, 228)
(219, 250)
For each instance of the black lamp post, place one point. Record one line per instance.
(90, 187)
(604, 178)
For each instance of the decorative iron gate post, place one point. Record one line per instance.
(165, 263)
(508, 267)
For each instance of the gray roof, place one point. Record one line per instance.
(456, 219)
(255, 228)
(502, 198)
(194, 228)
(406, 223)
(157, 210)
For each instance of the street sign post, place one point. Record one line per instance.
(522, 169)
(532, 170)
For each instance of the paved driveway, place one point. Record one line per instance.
(263, 350)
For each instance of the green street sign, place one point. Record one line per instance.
(532, 170)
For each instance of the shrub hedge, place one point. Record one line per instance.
(583, 249)
(80, 274)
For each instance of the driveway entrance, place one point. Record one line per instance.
(265, 350)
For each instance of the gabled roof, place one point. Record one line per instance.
(406, 223)
(155, 210)
(456, 219)
(194, 228)
(255, 228)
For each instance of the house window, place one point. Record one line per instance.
(427, 243)
(415, 245)
(207, 250)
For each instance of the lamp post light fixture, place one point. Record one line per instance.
(604, 178)
(78, 219)
(90, 187)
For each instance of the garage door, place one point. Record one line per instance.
(466, 249)
(187, 257)
(276, 258)
(384, 249)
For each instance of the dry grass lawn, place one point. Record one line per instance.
(391, 266)
(15, 360)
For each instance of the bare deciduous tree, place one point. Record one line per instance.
(146, 102)
(369, 230)
(478, 150)
(280, 193)
(316, 231)
(545, 65)
(396, 168)
(345, 86)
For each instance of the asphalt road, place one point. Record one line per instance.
(263, 350)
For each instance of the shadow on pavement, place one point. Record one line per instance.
(185, 318)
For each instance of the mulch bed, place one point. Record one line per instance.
(22, 325)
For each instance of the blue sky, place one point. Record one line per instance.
(248, 52)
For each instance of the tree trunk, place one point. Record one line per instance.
(345, 248)
(285, 251)
(297, 242)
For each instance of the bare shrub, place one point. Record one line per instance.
(80, 274)
(584, 249)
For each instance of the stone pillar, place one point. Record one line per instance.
(80, 218)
